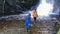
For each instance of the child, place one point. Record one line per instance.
(27, 21)
(35, 15)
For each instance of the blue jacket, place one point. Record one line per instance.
(28, 20)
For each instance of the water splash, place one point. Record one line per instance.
(44, 8)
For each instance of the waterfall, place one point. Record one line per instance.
(44, 8)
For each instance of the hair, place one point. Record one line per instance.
(30, 14)
(35, 9)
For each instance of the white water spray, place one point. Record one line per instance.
(44, 8)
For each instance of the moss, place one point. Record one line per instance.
(58, 32)
(58, 27)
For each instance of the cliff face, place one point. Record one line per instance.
(56, 9)
(17, 6)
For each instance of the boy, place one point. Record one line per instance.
(27, 21)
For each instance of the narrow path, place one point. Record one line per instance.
(42, 27)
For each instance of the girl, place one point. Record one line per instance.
(35, 15)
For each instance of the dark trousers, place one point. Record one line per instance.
(34, 20)
(28, 29)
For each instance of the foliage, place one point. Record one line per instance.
(58, 27)
(1, 5)
(58, 32)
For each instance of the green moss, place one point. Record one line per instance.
(58, 32)
(58, 26)
(1, 1)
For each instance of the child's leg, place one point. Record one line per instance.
(28, 29)
(35, 21)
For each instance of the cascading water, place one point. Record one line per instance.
(44, 8)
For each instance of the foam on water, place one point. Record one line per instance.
(44, 8)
